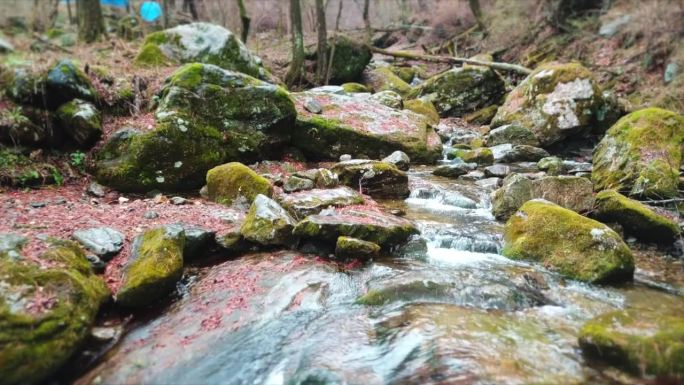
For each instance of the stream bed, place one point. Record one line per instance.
(456, 313)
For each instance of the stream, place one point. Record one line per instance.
(458, 313)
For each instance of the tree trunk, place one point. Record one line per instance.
(71, 17)
(322, 56)
(90, 21)
(36, 22)
(477, 12)
(294, 74)
(366, 20)
(334, 42)
(165, 12)
(245, 20)
(190, 6)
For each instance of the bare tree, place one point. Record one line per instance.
(322, 56)
(165, 12)
(244, 18)
(90, 20)
(294, 74)
(366, 20)
(71, 18)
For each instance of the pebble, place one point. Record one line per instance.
(37, 205)
(345, 157)
(178, 201)
(313, 106)
(151, 215)
(95, 189)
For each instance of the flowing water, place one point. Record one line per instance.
(459, 313)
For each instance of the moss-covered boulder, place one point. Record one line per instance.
(424, 107)
(635, 217)
(554, 102)
(512, 134)
(354, 88)
(347, 248)
(206, 116)
(304, 203)
(482, 156)
(369, 225)
(641, 154)
(295, 183)
(571, 192)
(267, 223)
(552, 165)
(383, 79)
(64, 82)
(19, 170)
(200, 43)
(82, 121)
(575, 246)
(356, 125)
(236, 183)
(388, 98)
(45, 311)
(374, 178)
(25, 87)
(462, 90)
(27, 126)
(154, 267)
(639, 342)
(349, 60)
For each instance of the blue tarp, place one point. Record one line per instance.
(114, 3)
(150, 11)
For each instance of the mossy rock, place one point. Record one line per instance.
(154, 267)
(641, 154)
(236, 183)
(347, 247)
(639, 342)
(555, 101)
(552, 165)
(571, 192)
(575, 246)
(481, 156)
(82, 121)
(28, 126)
(383, 79)
(356, 125)
(354, 88)
(267, 223)
(200, 43)
(424, 107)
(45, 313)
(349, 60)
(304, 203)
(407, 74)
(405, 292)
(368, 225)
(460, 91)
(483, 116)
(388, 98)
(65, 82)
(25, 87)
(512, 134)
(19, 170)
(635, 217)
(206, 116)
(374, 178)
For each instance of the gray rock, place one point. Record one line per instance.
(313, 106)
(388, 98)
(178, 201)
(671, 72)
(82, 121)
(97, 264)
(197, 240)
(37, 205)
(5, 46)
(95, 189)
(399, 159)
(512, 134)
(454, 170)
(609, 29)
(267, 223)
(345, 157)
(104, 242)
(151, 215)
(474, 175)
(508, 153)
(497, 171)
(294, 183)
(489, 183)
(11, 244)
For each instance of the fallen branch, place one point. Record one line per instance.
(452, 60)
(51, 44)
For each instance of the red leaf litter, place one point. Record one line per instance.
(68, 208)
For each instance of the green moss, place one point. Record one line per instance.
(383, 79)
(641, 154)
(153, 270)
(404, 73)
(635, 217)
(267, 223)
(636, 341)
(552, 165)
(423, 107)
(353, 88)
(481, 156)
(347, 247)
(229, 182)
(349, 60)
(151, 55)
(45, 313)
(483, 116)
(17, 169)
(577, 247)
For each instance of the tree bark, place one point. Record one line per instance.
(165, 12)
(245, 19)
(334, 42)
(90, 20)
(190, 6)
(477, 12)
(366, 20)
(322, 56)
(453, 60)
(71, 18)
(294, 74)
